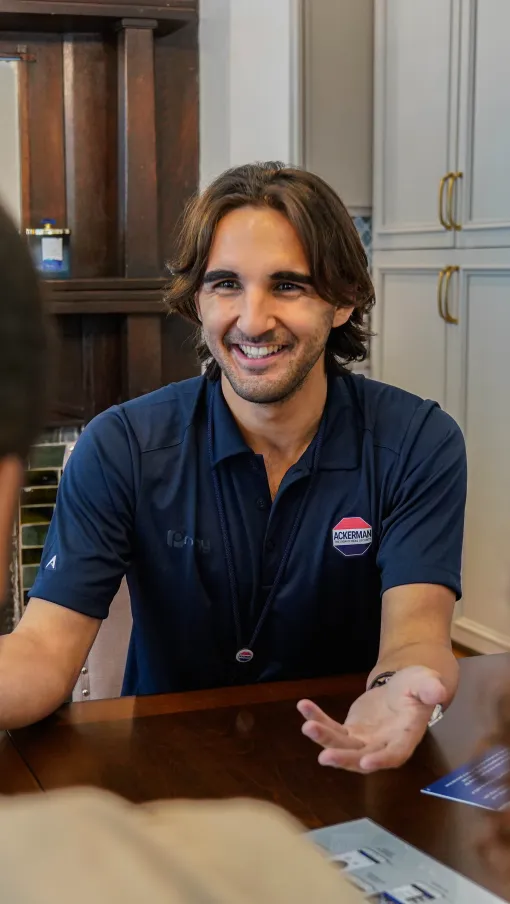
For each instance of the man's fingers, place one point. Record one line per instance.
(392, 756)
(327, 736)
(311, 712)
(348, 759)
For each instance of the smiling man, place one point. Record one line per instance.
(278, 517)
(87, 845)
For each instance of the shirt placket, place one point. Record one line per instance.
(280, 522)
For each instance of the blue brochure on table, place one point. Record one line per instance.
(485, 782)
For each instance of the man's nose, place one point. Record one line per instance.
(256, 316)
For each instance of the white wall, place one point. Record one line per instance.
(338, 97)
(249, 83)
(289, 80)
(10, 169)
(214, 85)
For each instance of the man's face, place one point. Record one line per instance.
(262, 319)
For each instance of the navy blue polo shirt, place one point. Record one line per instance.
(137, 498)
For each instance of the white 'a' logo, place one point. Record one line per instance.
(52, 563)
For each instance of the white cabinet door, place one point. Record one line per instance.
(479, 349)
(484, 125)
(409, 349)
(415, 119)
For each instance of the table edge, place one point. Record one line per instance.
(122, 708)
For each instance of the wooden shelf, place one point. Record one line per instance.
(106, 296)
(109, 149)
(61, 16)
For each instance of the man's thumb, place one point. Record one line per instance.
(431, 691)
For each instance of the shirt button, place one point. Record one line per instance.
(270, 545)
(261, 503)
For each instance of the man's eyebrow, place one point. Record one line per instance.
(216, 275)
(288, 275)
(292, 276)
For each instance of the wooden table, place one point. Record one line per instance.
(15, 776)
(247, 741)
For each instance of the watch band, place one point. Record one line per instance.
(437, 714)
(384, 677)
(381, 680)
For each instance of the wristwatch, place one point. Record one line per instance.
(384, 677)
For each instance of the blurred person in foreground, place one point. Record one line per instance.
(277, 518)
(86, 845)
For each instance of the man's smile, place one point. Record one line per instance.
(255, 357)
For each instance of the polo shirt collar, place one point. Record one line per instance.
(227, 438)
(341, 449)
(341, 446)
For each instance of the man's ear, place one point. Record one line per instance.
(341, 316)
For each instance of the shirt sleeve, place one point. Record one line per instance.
(423, 527)
(88, 547)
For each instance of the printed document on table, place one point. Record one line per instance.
(389, 871)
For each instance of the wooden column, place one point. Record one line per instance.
(138, 198)
(42, 134)
(90, 119)
(102, 368)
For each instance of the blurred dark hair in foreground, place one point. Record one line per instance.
(24, 351)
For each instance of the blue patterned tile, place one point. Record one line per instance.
(364, 227)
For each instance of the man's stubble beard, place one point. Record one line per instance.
(263, 395)
(288, 386)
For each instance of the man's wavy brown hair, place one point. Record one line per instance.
(335, 254)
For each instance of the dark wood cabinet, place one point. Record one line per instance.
(109, 145)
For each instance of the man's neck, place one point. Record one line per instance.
(285, 429)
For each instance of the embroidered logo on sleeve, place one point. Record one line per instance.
(52, 564)
(352, 536)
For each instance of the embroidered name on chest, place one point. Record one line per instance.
(178, 539)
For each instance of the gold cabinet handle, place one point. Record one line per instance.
(442, 274)
(447, 316)
(442, 184)
(449, 203)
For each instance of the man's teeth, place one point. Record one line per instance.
(260, 351)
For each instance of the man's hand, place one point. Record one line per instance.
(383, 726)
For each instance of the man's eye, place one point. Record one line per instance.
(287, 287)
(227, 284)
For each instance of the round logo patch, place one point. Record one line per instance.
(352, 536)
(244, 655)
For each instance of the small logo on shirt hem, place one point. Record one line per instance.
(52, 563)
(352, 536)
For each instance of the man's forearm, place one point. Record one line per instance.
(30, 685)
(438, 657)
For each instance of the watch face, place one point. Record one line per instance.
(437, 714)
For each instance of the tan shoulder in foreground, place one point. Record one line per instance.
(87, 845)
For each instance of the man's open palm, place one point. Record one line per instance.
(383, 726)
